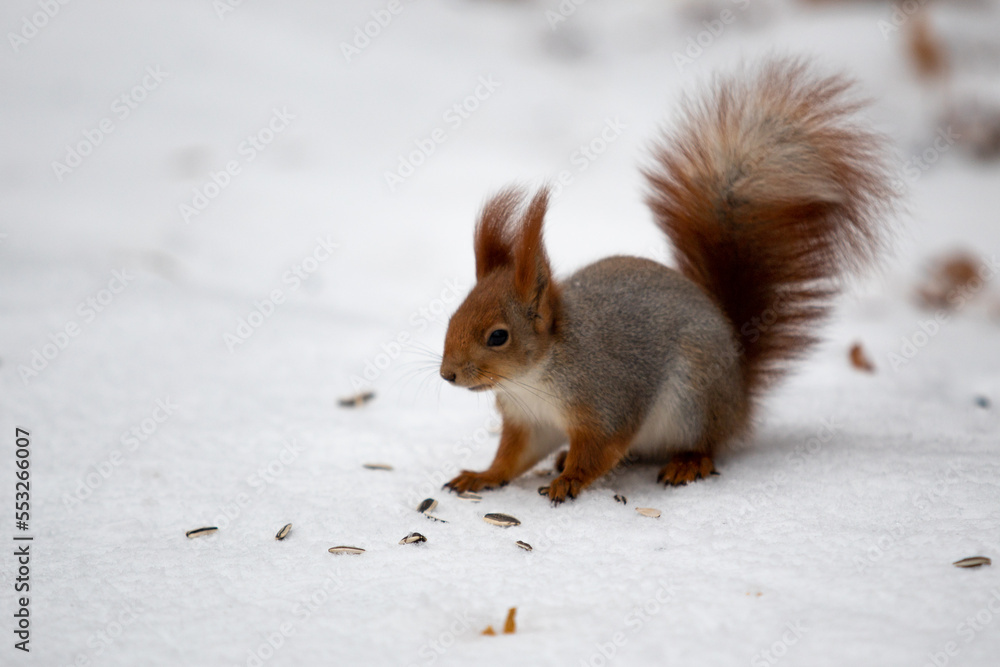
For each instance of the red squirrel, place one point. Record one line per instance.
(770, 193)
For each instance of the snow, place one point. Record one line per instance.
(827, 540)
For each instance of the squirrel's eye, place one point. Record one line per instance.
(497, 338)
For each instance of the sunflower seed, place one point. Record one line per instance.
(426, 505)
(378, 466)
(346, 550)
(413, 538)
(621, 499)
(198, 532)
(504, 520)
(523, 545)
(648, 511)
(974, 561)
(283, 533)
(469, 495)
(434, 518)
(356, 400)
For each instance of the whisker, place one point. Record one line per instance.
(539, 393)
(518, 401)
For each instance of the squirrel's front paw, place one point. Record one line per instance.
(474, 481)
(561, 488)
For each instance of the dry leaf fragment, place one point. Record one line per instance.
(951, 280)
(356, 400)
(509, 627)
(860, 360)
(926, 50)
(489, 631)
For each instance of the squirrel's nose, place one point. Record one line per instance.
(448, 376)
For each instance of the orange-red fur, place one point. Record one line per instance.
(769, 193)
(765, 240)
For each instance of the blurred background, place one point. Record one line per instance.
(385, 127)
(251, 210)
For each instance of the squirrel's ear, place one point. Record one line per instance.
(532, 274)
(492, 245)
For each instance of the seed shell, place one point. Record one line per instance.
(523, 545)
(413, 538)
(973, 561)
(619, 498)
(346, 550)
(283, 533)
(434, 518)
(504, 520)
(356, 400)
(198, 532)
(469, 495)
(648, 511)
(378, 466)
(426, 505)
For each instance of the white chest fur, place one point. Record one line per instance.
(530, 400)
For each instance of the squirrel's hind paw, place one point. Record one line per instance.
(686, 467)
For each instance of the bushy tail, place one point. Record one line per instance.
(770, 193)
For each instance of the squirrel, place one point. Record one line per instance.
(770, 193)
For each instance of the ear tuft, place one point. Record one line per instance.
(531, 265)
(492, 239)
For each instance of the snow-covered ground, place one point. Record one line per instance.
(201, 251)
